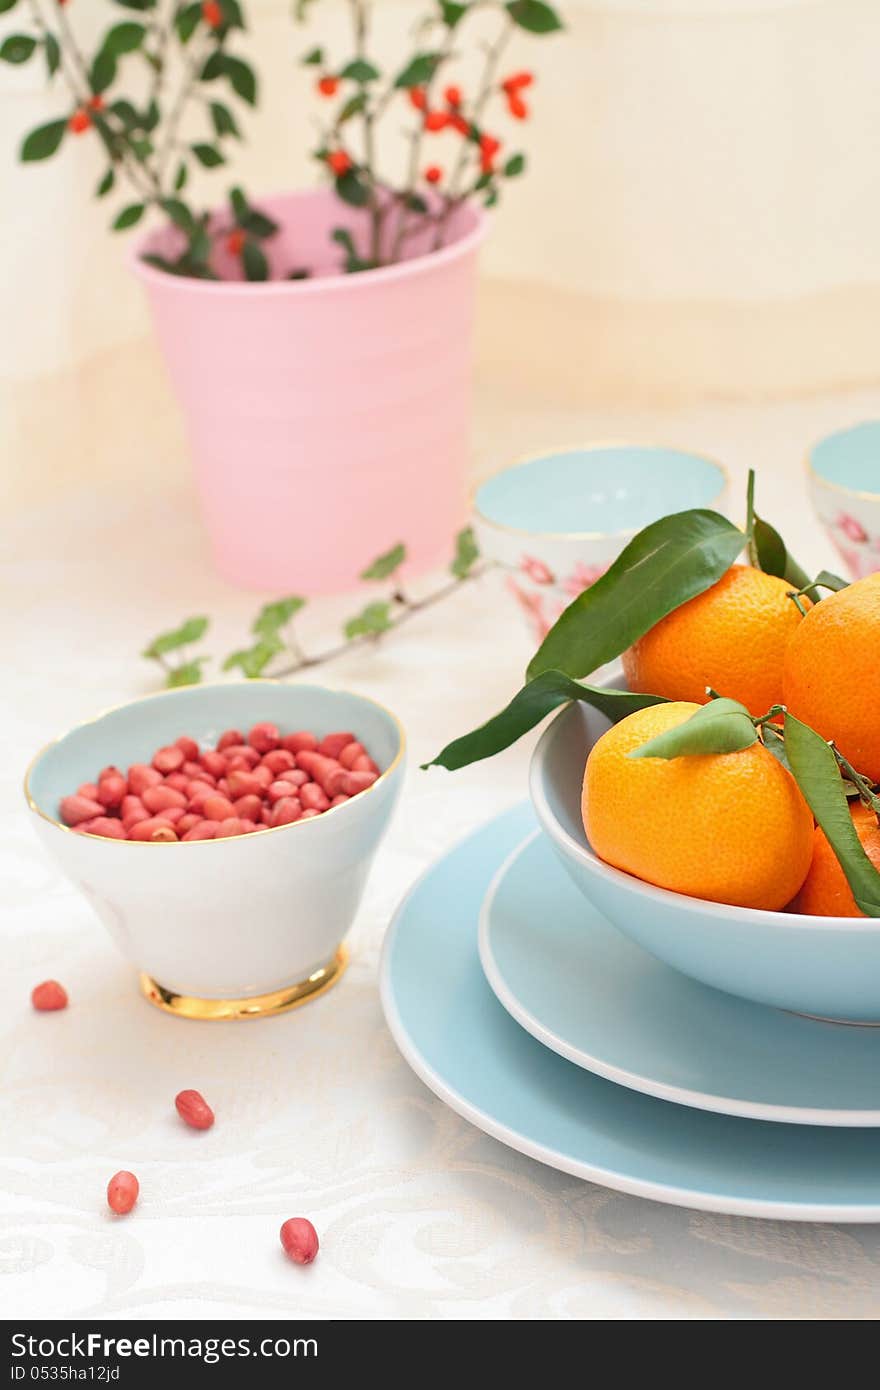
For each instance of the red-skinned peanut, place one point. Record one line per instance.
(169, 759)
(162, 799)
(279, 760)
(248, 808)
(264, 737)
(313, 798)
(286, 811)
(203, 830)
(365, 764)
(215, 763)
(300, 1240)
(194, 1110)
(48, 997)
(186, 823)
(309, 814)
(354, 782)
(229, 739)
(217, 807)
(188, 747)
(299, 742)
(332, 745)
(349, 753)
(193, 768)
(140, 777)
(179, 780)
(89, 790)
(229, 827)
(278, 790)
(155, 831)
(108, 826)
(111, 789)
(133, 810)
(241, 783)
(75, 809)
(338, 800)
(122, 1192)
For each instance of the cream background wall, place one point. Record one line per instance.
(701, 218)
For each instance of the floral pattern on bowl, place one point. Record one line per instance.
(844, 476)
(524, 517)
(542, 596)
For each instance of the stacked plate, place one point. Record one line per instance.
(519, 1005)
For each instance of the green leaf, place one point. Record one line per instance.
(223, 120)
(452, 13)
(17, 48)
(385, 565)
(141, 146)
(534, 16)
(43, 142)
(179, 214)
(352, 190)
(258, 224)
(416, 203)
(124, 38)
(102, 71)
(775, 744)
(816, 772)
(314, 58)
(514, 166)
(252, 661)
(180, 177)
(373, 620)
(275, 615)
(256, 267)
(721, 726)
(232, 14)
(491, 198)
(418, 70)
(7, 5)
(214, 66)
(151, 117)
(766, 548)
(242, 79)
(53, 53)
(187, 21)
(190, 673)
(207, 155)
(466, 553)
(106, 184)
(825, 579)
(190, 630)
(662, 567)
(527, 708)
(137, 4)
(129, 216)
(352, 107)
(126, 113)
(239, 204)
(359, 70)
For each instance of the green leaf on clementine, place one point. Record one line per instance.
(527, 708)
(662, 567)
(721, 726)
(816, 772)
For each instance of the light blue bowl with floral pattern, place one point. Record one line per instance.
(844, 474)
(554, 522)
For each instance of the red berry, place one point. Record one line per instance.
(516, 81)
(418, 98)
(212, 14)
(452, 96)
(79, 121)
(517, 107)
(49, 996)
(436, 120)
(433, 173)
(96, 103)
(328, 86)
(339, 161)
(235, 242)
(459, 123)
(300, 1240)
(489, 147)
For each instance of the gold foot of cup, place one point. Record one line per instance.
(257, 1006)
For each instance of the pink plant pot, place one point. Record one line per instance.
(328, 418)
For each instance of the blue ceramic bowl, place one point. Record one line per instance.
(555, 522)
(844, 474)
(827, 967)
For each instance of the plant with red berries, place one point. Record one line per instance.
(433, 106)
(181, 62)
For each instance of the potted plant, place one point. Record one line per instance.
(319, 341)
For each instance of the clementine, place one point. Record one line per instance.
(732, 637)
(825, 891)
(730, 827)
(832, 672)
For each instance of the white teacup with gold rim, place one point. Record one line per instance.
(239, 927)
(555, 521)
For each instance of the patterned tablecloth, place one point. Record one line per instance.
(420, 1215)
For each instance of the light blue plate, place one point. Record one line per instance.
(590, 994)
(469, 1051)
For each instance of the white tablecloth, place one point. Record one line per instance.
(420, 1215)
